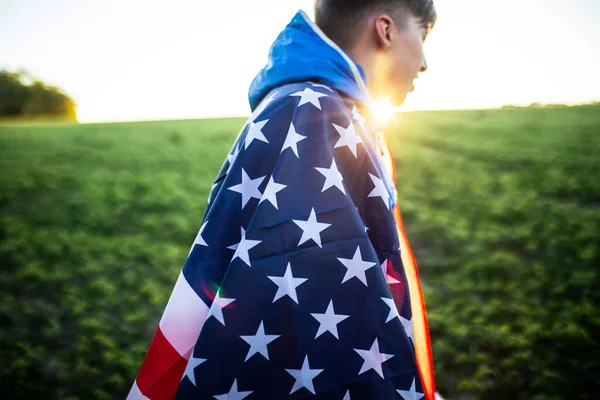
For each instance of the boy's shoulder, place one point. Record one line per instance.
(306, 94)
(309, 86)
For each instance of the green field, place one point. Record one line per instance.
(502, 208)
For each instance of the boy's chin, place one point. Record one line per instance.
(398, 98)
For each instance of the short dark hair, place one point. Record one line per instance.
(341, 20)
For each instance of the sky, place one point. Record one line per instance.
(125, 60)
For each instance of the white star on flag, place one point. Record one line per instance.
(393, 310)
(347, 396)
(309, 96)
(388, 278)
(216, 309)
(190, 367)
(232, 156)
(333, 177)
(255, 133)
(311, 228)
(356, 267)
(287, 284)
(243, 247)
(233, 393)
(348, 137)
(408, 327)
(356, 115)
(248, 188)
(318, 85)
(380, 190)
(410, 394)
(258, 343)
(373, 358)
(304, 377)
(199, 240)
(328, 321)
(270, 193)
(292, 139)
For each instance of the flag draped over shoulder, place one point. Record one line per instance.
(294, 286)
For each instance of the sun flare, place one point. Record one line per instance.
(382, 111)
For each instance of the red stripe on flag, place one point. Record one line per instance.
(398, 290)
(162, 369)
(423, 351)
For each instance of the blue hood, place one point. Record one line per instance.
(302, 52)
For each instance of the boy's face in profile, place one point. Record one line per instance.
(404, 59)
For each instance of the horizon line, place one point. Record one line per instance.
(41, 120)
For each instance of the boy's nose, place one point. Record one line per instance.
(423, 65)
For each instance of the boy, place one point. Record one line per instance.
(295, 286)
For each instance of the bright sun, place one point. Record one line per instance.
(382, 110)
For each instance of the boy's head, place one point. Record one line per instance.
(384, 36)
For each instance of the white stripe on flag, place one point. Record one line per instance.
(135, 393)
(183, 318)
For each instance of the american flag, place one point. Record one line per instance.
(294, 286)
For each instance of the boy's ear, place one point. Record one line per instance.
(384, 30)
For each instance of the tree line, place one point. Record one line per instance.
(23, 96)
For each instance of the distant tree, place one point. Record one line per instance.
(13, 93)
(23, 95)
